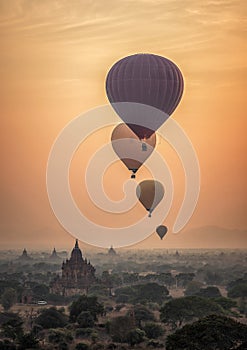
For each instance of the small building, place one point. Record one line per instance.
(77, 275)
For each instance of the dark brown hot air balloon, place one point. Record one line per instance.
(150, 193)
(129, 149)
(145, 79)
(161, 231)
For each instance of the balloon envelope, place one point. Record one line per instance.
(161, 231)
(150, 193)
(129, 149)
(145, 79)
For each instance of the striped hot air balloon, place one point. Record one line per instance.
(144, 80)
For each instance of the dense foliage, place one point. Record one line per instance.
(86, 303)
(209, 333)
(178, 311)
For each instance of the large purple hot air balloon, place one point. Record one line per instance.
(145, 79)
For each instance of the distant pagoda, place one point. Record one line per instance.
(77, 275)
(112, 251)
(54, 256)
(25, 256)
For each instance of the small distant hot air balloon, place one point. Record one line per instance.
(144, 79)
(161, 231)
(129, 149)
(150, 193)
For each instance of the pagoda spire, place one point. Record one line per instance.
(76, 244)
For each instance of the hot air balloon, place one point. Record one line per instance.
(142, 80)
(150, 193)
(129, 149)
(161, 231)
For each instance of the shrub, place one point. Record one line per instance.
(83, 332)
(153, 330)
(85, 319)
(155, 344)
(82, 346)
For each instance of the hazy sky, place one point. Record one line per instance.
(54, 59)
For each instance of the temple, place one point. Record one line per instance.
(24, 256)
(77, 275)
(54, 257)
(112, 251)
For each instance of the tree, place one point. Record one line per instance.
(155, 344)
(12, 327)
(225, 303)
(28, 341)
(212, 332)
(212, 277)
(151, 292)
(142, 314)
(82, 346)
(153, 330)
(85, 319)
(40, 291)
(166, 278)
(209, 292)
(182, 310)
(51, 318)
(86, 303)
(119, 327)
(6, 344)
(57, 336)
(135, 336)
(184, 278)
(238, 289)
(142, 293)
(8, 298)
(130, 277)
(193, 288)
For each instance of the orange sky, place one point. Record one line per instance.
(54, 59)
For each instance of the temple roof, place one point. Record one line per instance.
(112, 251)
(54, 253)
(76, 254)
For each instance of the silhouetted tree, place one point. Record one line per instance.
(153, 330)
(119, 327)
(28, 341)
(225, 303)
(135, 336)
(181, 310)
(237, 289)
(12, 327)
(184, 278)
(193, 288)
(211, 332)
(142, 314)
(209, 292)
(142, 293)
(8, 298)
(82, 346)
(86, 303)
(85, 319)
(51, 318)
